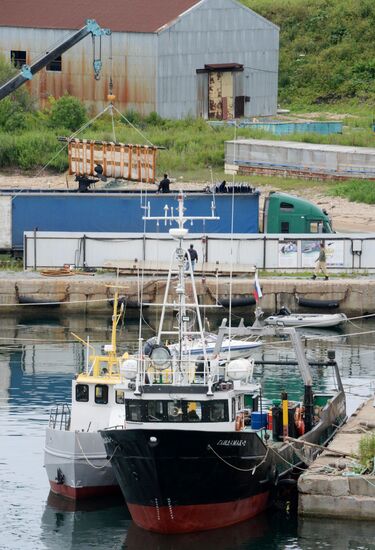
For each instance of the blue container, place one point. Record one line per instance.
(258, 420)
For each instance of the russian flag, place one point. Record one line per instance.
(257, 292)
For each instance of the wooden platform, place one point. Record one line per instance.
(148, 267)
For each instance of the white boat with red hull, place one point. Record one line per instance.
(189, 455)
(74, 455)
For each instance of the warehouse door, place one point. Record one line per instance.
(217, 88)
(220, 95)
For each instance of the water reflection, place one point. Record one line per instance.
(336, 534)
(91, 524)
(249, 534)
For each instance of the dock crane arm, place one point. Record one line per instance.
(27, 71)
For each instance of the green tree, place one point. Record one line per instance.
(67, 112)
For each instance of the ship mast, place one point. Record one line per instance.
(182, 258)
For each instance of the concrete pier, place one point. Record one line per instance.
(329, 488)
(355, 296)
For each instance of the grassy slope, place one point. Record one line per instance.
(327, 49)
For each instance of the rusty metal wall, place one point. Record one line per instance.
(134, 68)
(157, 72)
(217, 31)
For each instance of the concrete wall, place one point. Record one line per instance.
(309, 159)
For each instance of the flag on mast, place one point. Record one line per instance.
(257, 292)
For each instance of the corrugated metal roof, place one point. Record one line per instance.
(117, 15)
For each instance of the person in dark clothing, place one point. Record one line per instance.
(222, 188)
(193, 256)
(99, 172)
(84, 183)
(164, 184)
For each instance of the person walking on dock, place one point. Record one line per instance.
(164, 184)
(193, 256)
(321, 263)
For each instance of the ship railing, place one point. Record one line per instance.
(179, 372)
(60, 417)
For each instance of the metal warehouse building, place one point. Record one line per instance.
(210, 58)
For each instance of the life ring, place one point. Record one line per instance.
(298, 421)
(240, 422)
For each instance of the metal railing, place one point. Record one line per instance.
(60, 417)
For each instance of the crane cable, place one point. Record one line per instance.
(111, 97)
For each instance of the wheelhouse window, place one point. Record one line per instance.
(177, 411)
(134, 411)
(194, 411)
(155, 411)
(82, 393)
(120, 397)
(18, 58)
(101, 394)
(55, 65)
(217, 411)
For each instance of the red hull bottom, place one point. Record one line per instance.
(199, 517)
(78, 493)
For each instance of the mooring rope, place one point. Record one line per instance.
(88, 460)
(252, 469)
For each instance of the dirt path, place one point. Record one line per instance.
(347, 217)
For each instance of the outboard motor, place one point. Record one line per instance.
(284, 310)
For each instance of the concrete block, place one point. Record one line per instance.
(350, 507)
(364, 486)
(323, 485)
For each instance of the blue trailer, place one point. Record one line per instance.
(119, 212)
(122, 212)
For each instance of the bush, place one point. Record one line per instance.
(154, 119)
(133, 117)
(12, 117)
(67, 112)
(367, 451)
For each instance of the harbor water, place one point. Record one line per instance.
(38, 358)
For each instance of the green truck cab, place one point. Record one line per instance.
(285, 213)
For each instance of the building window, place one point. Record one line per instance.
(55, 65)
(18, 58)
(101, 394)
(82, 393)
